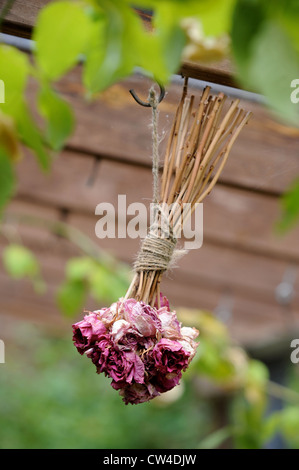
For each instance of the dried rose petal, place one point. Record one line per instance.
(142, 317)
(171, 327)
(137, 393)
(170, 356)
(87, 331)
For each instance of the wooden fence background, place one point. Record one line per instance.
(242, 260)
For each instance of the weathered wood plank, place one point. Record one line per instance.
(211, 266)
(22, 16)
(232, 217)
(221, 73)
(264, 157)
(221, 266)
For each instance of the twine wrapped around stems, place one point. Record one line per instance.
(199, 144)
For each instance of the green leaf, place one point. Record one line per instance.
(106, 285)
(114, 46)
(32, 137)
(290, 208)
(214, 15)
(215, 439)
(286, 13)
(165, 57)
(247, 21)
(71, 296)
(273, 66)
(94, 55)
(59, 117)
(79, 269)
(7, 179)
(266, 58)
(257, 373)
(290, 422)
(20, 262)
(61, 33)
(271, 425)
(14, 68)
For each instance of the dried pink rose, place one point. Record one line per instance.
(137, 393)
(120, 365)
(142, 317)
(86, 332)
(170, 356)
(141, 348)
(171, 327)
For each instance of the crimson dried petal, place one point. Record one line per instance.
(87, 331)
(170, 356)
(120, 365)
(137, 393)
(164, 383)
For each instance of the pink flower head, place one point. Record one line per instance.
(137, 393)
(141, 348)
(87, 331)
(171, 327)
(121, 366)
(142, 317)
(170, 356)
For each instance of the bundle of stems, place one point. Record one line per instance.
(198, 147)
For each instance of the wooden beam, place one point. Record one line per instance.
(21, 17)
(221, 73)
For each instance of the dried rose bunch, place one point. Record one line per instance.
(143, 349)
(138, 341)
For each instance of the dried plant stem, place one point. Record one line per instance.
(198, 147)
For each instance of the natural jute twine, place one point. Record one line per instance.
(157, 249)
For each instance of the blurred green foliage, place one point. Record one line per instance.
(50, 397)
(85, 275)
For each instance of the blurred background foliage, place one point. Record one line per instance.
(49, 397)
(52, 398)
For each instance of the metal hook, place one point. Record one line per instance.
(146, 103)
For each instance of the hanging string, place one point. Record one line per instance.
(153, 100)
(158, 247)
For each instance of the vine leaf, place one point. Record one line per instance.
(61, 32)
(7, 179)
(59, 117)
